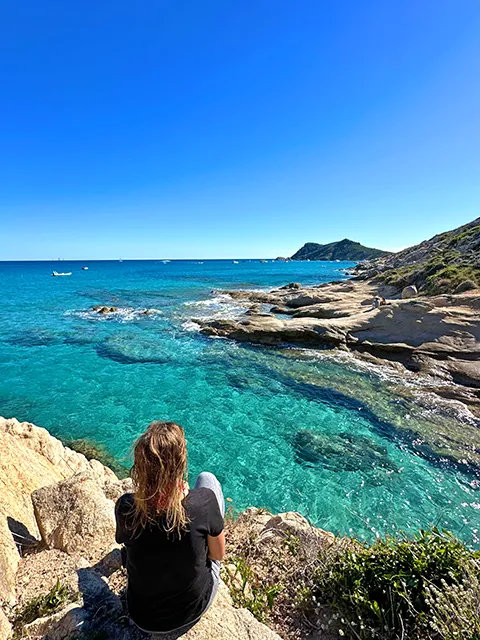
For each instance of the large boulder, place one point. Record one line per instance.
(76, 517)
(466, 285)
(409, 292)
(65, 624)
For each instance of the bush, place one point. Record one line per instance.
(386, 590)
(43, 605)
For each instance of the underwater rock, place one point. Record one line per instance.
(33, 338)
(132, 348)
(341, 452)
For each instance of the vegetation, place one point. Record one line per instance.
(438, 265)
(44, 605)
(405, 588)
(421, 588)
(441, 274)
(93, 451)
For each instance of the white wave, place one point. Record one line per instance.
(122, 314)
(189, 325)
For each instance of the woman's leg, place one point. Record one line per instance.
(209, 481)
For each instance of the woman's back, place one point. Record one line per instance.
(169, 574)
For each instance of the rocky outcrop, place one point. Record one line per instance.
(56, 500)
(30, 458)
(435, 334)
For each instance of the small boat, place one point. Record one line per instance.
(263, 261)
(120, 260)
(61, 274)
(235, 261)
(84, 268)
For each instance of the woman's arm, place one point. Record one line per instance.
(216, 547)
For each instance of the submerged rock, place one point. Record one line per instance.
(341, 452)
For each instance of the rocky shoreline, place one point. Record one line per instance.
(57, 530)
(434, 335)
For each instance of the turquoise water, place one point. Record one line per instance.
(286, 429)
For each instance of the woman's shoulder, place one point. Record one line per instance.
(199, 499)
(124, 503)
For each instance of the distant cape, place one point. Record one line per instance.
(341, 250)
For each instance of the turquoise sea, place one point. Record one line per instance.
(350, 445)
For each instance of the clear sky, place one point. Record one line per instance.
(221, 129)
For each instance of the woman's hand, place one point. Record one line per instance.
(216, 547)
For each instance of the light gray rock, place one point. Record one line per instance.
(66, 461)
(63, 625)
(409, 292)
(76, 517)
(5, 627)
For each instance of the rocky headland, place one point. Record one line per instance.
(341, 250)
(419, 308)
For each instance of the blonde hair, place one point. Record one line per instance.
(158, 473)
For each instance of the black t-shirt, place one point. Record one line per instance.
(169, 576)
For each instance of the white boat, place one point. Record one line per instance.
(235, 262)
(61, 274)
(84, 268)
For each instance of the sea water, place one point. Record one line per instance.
(351, 446)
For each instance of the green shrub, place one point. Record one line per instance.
(51, 602)
(384, 590)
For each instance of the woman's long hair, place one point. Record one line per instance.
(159, 473)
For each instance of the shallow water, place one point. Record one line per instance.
(356, 448)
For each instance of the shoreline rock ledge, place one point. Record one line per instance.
(437, 335)
(57, 526)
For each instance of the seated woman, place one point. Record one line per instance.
(173, 536)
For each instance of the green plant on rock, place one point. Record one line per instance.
(44, 605)
(384, 590)
(247, 591)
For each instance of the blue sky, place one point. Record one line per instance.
(220, 129)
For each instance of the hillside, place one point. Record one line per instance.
(443, 264)
(341, 250)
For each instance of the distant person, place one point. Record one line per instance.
(173, 536)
